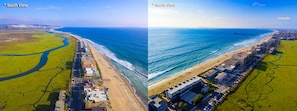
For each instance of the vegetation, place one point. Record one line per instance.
(197, 98)
(39, 90)
(19, 63)
(271, 86)
(39, 42)
(182, 106)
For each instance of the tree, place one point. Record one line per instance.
(185, 106)
(180, 104)
(197, 99)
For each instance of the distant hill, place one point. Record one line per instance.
(26, 26)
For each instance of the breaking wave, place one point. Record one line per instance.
(111, 55)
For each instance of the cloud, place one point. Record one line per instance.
(257, 4)
(49, 8)
(283, 18)
(108, 6)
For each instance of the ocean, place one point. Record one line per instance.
(126, 47)
(172, 50)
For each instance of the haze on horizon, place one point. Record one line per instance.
(223, 14)
(77, 13)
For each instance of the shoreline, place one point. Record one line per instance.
(159, 86)
(127, 84)
(127, 80)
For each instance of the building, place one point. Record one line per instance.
(210, 74)
(188, 96)
(99, 109)
(59, 106)
(222, 89)
(90, 72)
(181, 87)
(88, 63)
(62, 95)
(95, 95)
(272, 50)
(230, 65)
(205, 88)
(220, 68)
(220, 77)
(242, 57)
(157, 104)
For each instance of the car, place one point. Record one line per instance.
(208, 108)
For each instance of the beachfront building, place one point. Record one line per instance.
(220, 68)
(181, 87)
(230, 65)
(242, 57)
(94, 95)
(88, 64)
(287, 35)
(157, 104)
(90, 72)
(210, 74)
(220, 77)
(88, 61)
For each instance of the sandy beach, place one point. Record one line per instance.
(196, 70)
(120, 93)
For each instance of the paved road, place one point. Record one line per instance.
(76, 88)
(202, 103)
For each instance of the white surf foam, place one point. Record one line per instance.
(249, 42)
(246, 43)
(111, 55)
(153, 75)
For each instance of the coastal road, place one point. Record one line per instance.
(76, 88)
(202, 103)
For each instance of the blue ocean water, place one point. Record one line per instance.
(172, 50)
(126, 47)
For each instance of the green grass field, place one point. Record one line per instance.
(271, 86)
(39, 90)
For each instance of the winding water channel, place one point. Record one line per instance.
(42, 61)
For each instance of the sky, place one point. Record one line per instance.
(223, 13)
(77, 13)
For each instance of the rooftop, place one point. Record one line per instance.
(210, 72)
(156, 101)
(188, 96)
(59, 106)
(221, 75)
(240, 55)
(95, 95)
(182, 85)
(230, 62)
(62, 95)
